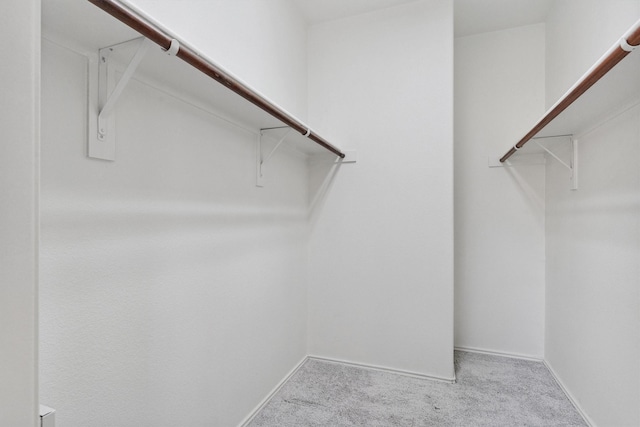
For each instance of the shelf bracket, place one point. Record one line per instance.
(261, 160)
(102, 98)
(112, 98)
(573, 163)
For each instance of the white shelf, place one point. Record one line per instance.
(610, 86)
(176, 77)
(87, 28)
(615, 91)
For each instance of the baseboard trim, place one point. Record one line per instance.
(567, 393)
(499, 353)
(291, 373)
(385, 369)
(273, 392)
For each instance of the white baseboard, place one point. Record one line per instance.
(385, 369)
(500, 353)
(277, 388)
(573, 401)
(564, 389)
(273, 392)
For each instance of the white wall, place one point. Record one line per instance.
(173, 289)
(19, 142)
(593, 234)
(499, 237)
(262, 42)
(381, 251)
(579, 32)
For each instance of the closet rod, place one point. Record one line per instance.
(616, 54)
(197, 60)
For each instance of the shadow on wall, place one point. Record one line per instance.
(323, 169)
(534, 199)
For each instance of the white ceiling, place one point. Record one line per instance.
(471, 16)
(481, 16)
(316, 11)
(82, 21)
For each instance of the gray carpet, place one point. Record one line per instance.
(490, 391)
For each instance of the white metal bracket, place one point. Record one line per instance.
(102, 143)
(573, 163)
(108, 101)
(261, 160)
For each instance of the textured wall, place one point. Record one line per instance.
(593, 234)
(173, 289)
(381, 274)
(593, 292)
(19, 142)
(499, 94)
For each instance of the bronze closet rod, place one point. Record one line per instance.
(149, 30)
(615, 55)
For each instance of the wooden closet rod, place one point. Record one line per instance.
(602, 67)
(154, 33)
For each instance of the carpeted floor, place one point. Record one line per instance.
(490, 391)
